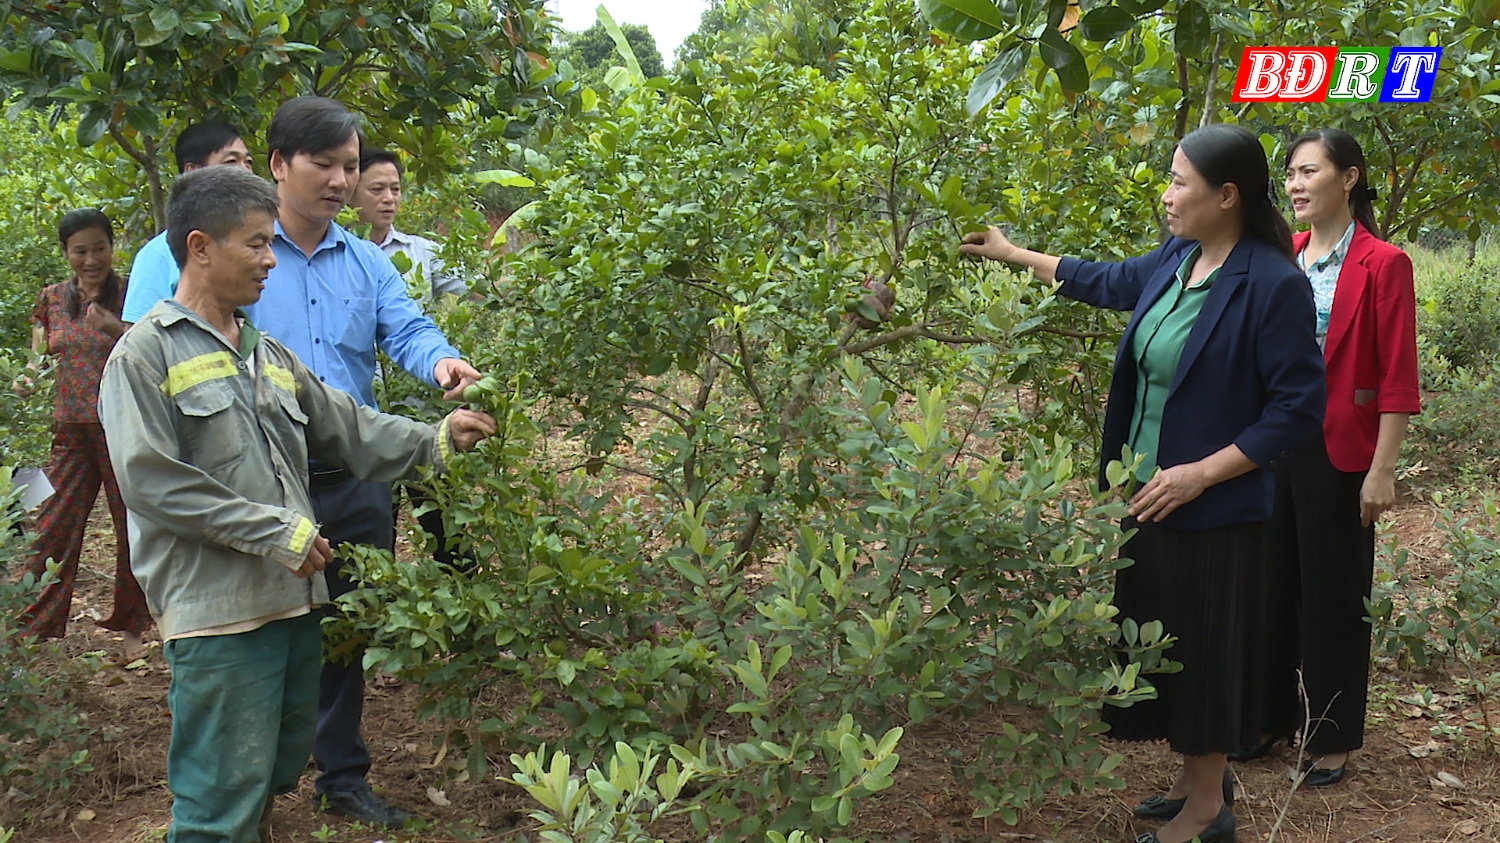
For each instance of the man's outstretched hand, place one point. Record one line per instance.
(453, 375)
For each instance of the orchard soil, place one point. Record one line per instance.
(1393, 792)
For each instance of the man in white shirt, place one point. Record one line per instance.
(378, 198)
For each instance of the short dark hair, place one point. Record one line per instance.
(374, 155)
(214, 200)
(200, 140)
(309, 125)
(1223, 154)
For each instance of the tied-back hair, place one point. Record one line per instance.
(112, 296)
(1226, 154)
(1343, 151)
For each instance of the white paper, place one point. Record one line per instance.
(34, 486)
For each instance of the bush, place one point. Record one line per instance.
(1458, 308)
(735, 516)
(42, 734)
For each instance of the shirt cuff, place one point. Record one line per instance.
(445, 445)
(298, 537)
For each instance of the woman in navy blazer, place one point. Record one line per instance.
(1330, 494)
(1217, 378)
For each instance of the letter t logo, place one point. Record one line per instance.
(1411, 73)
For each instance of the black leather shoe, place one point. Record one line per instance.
(1162, 808)
(1221, 830)
(1254, 752)
(1321, 776)
(361, 805)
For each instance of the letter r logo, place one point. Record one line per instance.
(1357, 74)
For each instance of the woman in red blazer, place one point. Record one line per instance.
(1329, 496)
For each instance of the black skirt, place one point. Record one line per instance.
(1215, 592)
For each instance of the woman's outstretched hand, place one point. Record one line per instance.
(997, 247)
(989, 244)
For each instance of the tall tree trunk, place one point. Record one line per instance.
(146, 155)
(1186, 103)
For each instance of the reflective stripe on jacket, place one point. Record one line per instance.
(210, 450)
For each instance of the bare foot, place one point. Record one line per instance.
(135, 648)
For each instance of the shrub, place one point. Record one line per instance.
(42, 734)
(1458, 308)
(736, 516)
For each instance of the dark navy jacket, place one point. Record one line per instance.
(1251, 373)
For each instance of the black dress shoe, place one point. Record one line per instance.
(1162, 808)
(361, 805)
(1253, 753)
(1221, 830)
(1321, 776)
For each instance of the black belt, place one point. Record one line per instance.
(327, 478)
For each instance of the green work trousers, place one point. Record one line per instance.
(244, 712)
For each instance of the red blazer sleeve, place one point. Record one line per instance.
(1396, 337)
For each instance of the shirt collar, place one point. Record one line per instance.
(1340, 249)
(332, 238)
(177, 311)
(396, 237)
(1185, 271)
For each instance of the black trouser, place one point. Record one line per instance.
(350, 510)
(432, 522)
(1316, 529)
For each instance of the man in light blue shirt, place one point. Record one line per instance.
(153, 274)
(332, 299)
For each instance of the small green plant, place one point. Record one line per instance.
(42, 734)
(1448, 620)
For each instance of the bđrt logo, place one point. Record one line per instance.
(1336, 74)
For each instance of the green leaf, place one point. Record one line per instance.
(164, 18)
(621, 44)
(504, 178)
(1193, 29)
(1106, 23)
(1056, 52)
(1060, 55)
(91, 127)
(17, 62)
(966, 20)
(1000, 72)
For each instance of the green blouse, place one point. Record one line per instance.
(1156, 346)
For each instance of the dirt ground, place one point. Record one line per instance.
(1422, 778)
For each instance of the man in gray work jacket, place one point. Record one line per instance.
(209, 425)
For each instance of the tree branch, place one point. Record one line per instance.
(1210, 86)
(147, 158)
(1186, 103)
(1065, 332)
